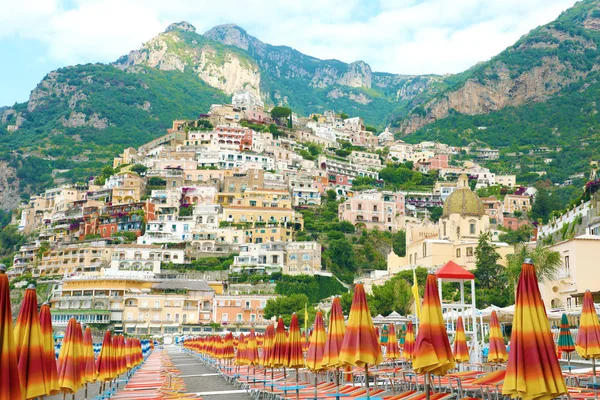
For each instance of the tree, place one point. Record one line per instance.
(547, 263)
(343, 115)
(399, 243)
(487, 268)
(341, 255)
(542, 206)
(435, 213)
(394, 295)
(521, 235)
(285, 306)
(138, 169)
(280, 113)
(331, 195)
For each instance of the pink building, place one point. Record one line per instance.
(514, 223)
(373, 209)
(495, 209)
(241, 309)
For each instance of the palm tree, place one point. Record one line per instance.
(547, 263)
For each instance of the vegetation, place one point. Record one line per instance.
(316, 288)
(285, 306)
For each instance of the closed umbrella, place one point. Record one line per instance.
(461, 350)
(69, 367)
(408, 351)
(267, 348)
(587, 343)
(30, 347)
(304, 341)
(105, 368)
(392, 351)
(361, 346)
(433, 354)
(497, 352)
(532, 371)
(50, 370)
(565, 339)
(10, 383)
(277, 356)
(89, 369)
(293, 352)
(335, 337)
(316, 347)
(383, 339)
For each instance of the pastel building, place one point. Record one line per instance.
(373, 209)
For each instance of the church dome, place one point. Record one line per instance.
(463, 201)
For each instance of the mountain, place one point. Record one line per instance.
(543, 63)
(540, 91)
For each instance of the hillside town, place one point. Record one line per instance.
(118, 250)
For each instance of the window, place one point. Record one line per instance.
(424, 249)
(239, 318)
(458, 253)
(444, 225)
(157, 304)
(375, 208)
(359, 206)
(567, 264)
(225, 317)
(472, 228)
(292, 256)
(469, 251)
(306, 257)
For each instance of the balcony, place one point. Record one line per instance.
(143, 308)
(156, 308)
(190, 308)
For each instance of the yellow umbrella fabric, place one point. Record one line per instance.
(277, 354)
(461, 350)
(88, 356)
(587, 343)
(360, 346)
(497, 353)
(69, 365)
(432, 348)
(392, 351)
(30, 350)
(10, 383)
(408, 351)
(50, 369)
(335, 335)
(316, 345)
(293, 352)
(532, 371)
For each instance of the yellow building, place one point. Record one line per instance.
(269, 198)
(73, 258)
(579, 272)
(454, 238)
(266, 216)
(271, 234)
(126, 188)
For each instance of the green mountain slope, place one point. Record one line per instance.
(79, 117)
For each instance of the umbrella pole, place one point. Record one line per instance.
(86, 391)
(297, 391)
(315, 386)
(594, 370)
(337, 381)
(427, 386)
(367, 380)
(569, 360)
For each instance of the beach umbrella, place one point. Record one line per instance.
(240, 354)
(383, 338)
(565, 339)
(252, 348)
(69, 366)
(316, 347)
(361, 346)
(104, 364)
(587, 343)
(228, 351)
(497, 352)
(532, 371)
(392, 350)
(304, 341)
(432, 354)
(408, 350)
(277, 356)
(30, 347)
(461, 350)
(267, 348)
(80, 354)
(50, 370)
(10, 383)
(335, 337)
(88, 356)
(293, 352)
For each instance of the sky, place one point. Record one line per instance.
(397, 36)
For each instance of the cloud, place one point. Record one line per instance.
(401, 36)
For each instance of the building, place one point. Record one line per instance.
(260, 258)
(494, 208)
(515, 202)
(126, 187)
(73, 258)
(144, 257)
(373, 209)
(506, 180)
(365, 159)
(241, 310)
(455, 237)
(302, 258)
(577, 274)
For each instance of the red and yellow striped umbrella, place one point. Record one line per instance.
(50, 370)
(360, 346)
(267, 346)
(228, 351)
(10, 383)
(533, 371)
(240, 354)
(293, 352)
(89, 373)
(104, 364)
(316, 346)
(80, 354)
(30, 347)
(587, 343)
(304, 341)
(278, 357)
(392, 351)
(252, 348)
(497, 353)
(432, 354)
(69, 366)
(408, 351)
(335, 335)
(461, 350)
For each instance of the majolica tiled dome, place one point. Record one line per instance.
(463, 201)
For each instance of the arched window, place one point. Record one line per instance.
(306, 257)
(292, 256)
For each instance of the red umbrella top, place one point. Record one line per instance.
(278, 352)
(316, 348)
(293, 352)
(50, 370)
(10, 383)
(335, 335)
(30, 347)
